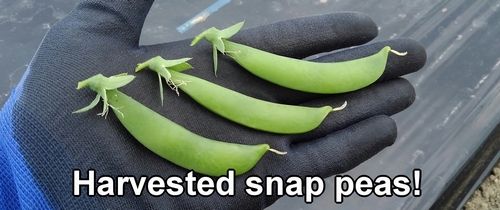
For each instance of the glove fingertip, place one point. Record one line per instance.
(310, 35)
(343, 150)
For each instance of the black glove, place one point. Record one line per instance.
(44, 142)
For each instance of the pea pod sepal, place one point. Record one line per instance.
(216, 37)
(100, 84)
(164, 66)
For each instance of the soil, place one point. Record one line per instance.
(487, 196)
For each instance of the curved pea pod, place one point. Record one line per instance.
(174, 142)
(251, 112)
(302, 75)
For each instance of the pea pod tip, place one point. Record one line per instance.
(399, 53)
(277, 151)
(340, 107)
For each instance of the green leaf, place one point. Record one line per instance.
(177, 65)
(145, 64)
(102, 94)
(180, 67)
(230, 31)
(161, 89)
(90, 106)
(170, 63)
(163, 67)
(215, 60)
(219, 44)
(115, 82)
(92, 81)
(215, 36)
(100, 84)
(118, 75)
(160, 65)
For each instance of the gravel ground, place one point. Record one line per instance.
(487, 196)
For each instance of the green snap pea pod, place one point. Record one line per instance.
(251, 112)
(302, 75)
(170, 140)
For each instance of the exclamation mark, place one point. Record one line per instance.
(416, 182)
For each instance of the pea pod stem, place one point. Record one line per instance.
(244, 110)
(172, 141)
(302, 75)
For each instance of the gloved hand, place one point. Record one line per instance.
(43, 142)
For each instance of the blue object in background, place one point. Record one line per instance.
(202, 15)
